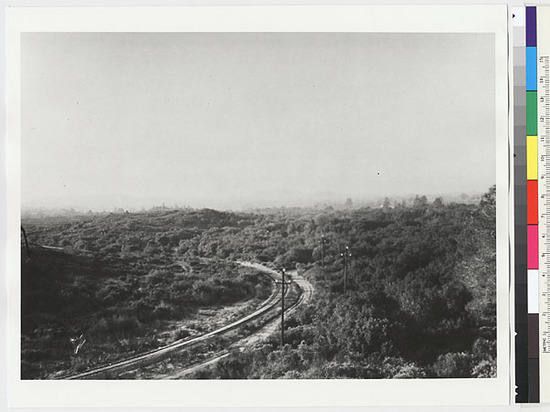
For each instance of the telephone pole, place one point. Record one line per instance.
(323, 240)
(346, 255)
(283, 283)
(26, 242)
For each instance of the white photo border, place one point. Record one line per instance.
(259, 393)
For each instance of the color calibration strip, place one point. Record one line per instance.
(542, 117)
(532, 203)
(520, 207)
(531, 65)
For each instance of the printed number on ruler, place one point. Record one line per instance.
(544, 190)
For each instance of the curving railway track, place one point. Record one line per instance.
(268, 329)
(271, 304)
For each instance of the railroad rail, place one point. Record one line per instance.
(158, 354)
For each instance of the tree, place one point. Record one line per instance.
(420, 202)
(438, 202)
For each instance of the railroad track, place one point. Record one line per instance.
(268, 328)
(158, 354)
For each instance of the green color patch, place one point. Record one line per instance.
(532, 113)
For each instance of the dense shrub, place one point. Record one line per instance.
(420, 297)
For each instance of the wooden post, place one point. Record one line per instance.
(26, 242)
(346, 254)
(345, 275)
(323, 251)
(283, 311)
(283, 284)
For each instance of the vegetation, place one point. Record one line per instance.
(120, 308)
(419, 302)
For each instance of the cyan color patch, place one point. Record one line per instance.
(531, 66)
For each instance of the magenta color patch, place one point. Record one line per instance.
(532, 247)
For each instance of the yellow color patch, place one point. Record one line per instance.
(532, 157)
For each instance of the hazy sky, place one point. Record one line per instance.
(237, 119)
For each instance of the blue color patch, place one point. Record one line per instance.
(531, 67)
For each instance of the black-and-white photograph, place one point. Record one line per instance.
(258, 205)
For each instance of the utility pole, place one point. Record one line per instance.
(323, 251)
(346, 255)
(26, 242)
(349, 263)
(283, 310)
(283, 283)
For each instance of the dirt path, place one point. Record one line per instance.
(262, 334)
(151, 357)
(273, 326)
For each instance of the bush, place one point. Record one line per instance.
(485, 369)
(453, 365)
